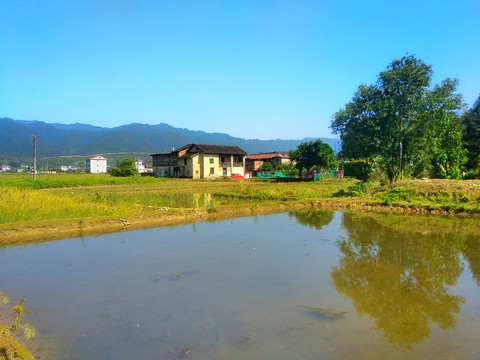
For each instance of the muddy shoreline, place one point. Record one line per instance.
(22, 233)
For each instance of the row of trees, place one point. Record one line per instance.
(408, 127)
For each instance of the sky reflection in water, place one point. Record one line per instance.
(298, 285)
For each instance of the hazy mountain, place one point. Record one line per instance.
(83, 139)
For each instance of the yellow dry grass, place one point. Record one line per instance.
(21, 204)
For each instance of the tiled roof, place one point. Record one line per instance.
(96, 157)
(210, 149)
(220, 149)
(265, 156)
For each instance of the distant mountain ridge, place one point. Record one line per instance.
(82, 139)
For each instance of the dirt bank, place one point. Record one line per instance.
(21, 233)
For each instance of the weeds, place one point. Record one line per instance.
(357, 189)
(10, 348)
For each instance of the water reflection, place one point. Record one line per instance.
(256, 287)
(472, 254)
(315, 219)
(401, 279)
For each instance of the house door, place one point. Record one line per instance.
(224, 171)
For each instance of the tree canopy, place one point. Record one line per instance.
(471, 136)
(314, 155)
(408, 126)
(125, 168)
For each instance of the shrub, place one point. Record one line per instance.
(397, 194)
(358, 189)
(359, 169)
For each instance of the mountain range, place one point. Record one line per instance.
(82, 139)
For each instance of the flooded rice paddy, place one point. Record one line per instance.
(297, 285)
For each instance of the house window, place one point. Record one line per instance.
(223, 159)
(185, 161)
(211, 161)
(212, 171)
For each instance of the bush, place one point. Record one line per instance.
(358, 189)
(266, 166)
(397, 194)
(472, 174)
(359, 169)
(116, 172)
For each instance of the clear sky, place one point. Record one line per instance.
(252, 69)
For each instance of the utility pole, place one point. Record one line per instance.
(34, 157)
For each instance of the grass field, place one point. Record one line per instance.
(67, 196)
(82, 195)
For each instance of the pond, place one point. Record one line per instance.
(296, 285)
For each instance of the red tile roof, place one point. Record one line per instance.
(265, 156)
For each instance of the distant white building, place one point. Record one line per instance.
(5, 168)
(140, 166)
(96, 165)
(64, 168)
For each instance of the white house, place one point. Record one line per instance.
(140, 166)
(96, 165)
(5, 168)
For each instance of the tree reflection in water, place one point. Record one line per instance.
(399, 278)
(313, 218)
(472, 255)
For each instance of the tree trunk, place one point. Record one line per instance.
(400, 158)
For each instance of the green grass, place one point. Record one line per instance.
(444, 195)
(79, 195)
(70, 180)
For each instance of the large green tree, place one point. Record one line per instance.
(394, 118)
(445, 154)
(314, 155)
(471, 137)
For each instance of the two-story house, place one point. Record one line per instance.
(200, 161)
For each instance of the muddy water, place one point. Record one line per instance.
(298, 285)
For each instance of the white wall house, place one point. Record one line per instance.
(96, 165)
(140, 166)
(5, 168)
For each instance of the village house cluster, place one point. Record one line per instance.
(198, 161)
(202, 161)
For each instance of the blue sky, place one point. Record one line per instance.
(252, 69)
